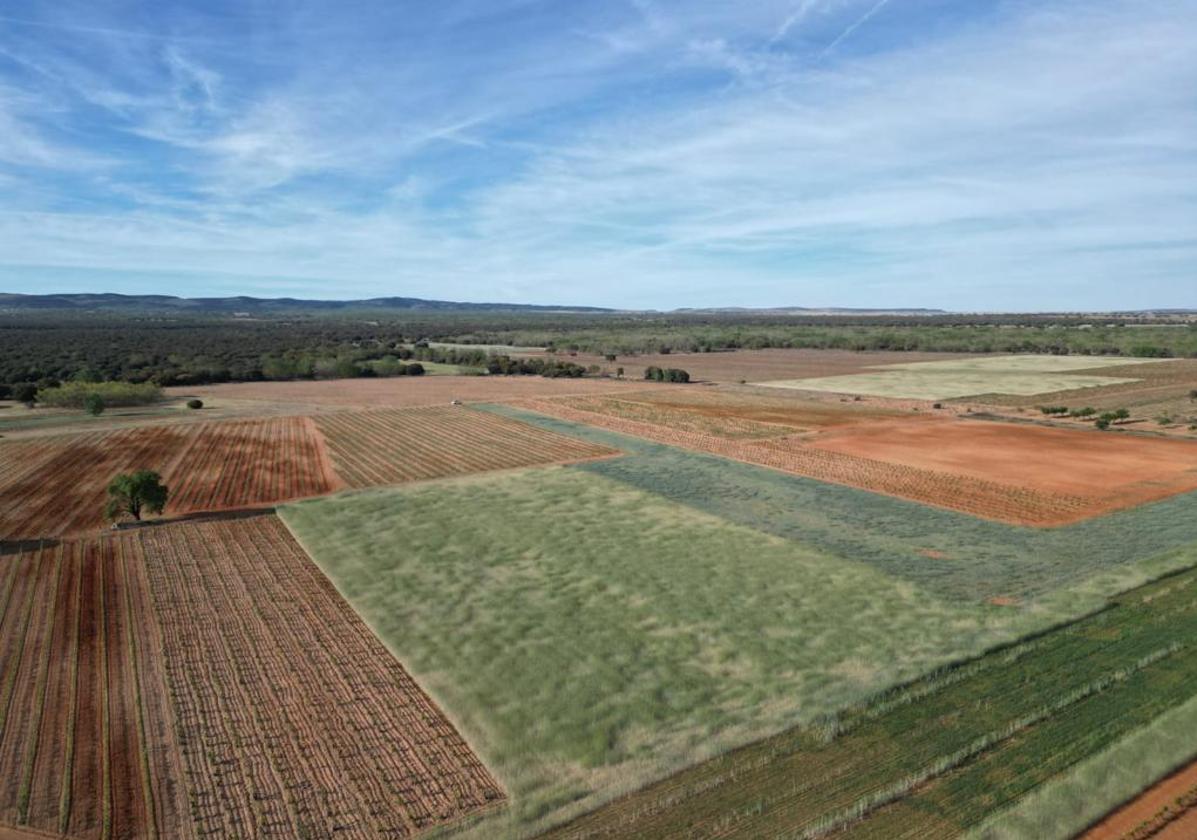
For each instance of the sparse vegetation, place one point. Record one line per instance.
(195, 404)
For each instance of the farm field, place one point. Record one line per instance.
(934, 758)
(941, 380)
(512, 617)
(755, 365)
(208, 466)
(966, 465)
(297, 721)
(953, 554)
(87, 741)
(399, 391)
(389, 446)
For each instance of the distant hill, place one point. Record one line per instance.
(807, 310)
(252, 305)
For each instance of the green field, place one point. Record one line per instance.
(589, 637)
(942, 755)
(1060, 571)
(1014, 375)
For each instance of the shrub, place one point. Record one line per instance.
(1087, 411)
(1054, 409)
(195, 404)
(1102, 422)
(25, 393)
(1164, 420)
(5, 392)
(657, 374)
(415, 369)
(93, 404)
(75, 394)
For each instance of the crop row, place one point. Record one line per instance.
(294, 720)
(936, 757)
(85, 743)
(986, 499)
(389, 446)
(206, 465)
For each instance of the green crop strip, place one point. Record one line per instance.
(967, 748)
(951, 554)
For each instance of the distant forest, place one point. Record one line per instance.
(49, 347)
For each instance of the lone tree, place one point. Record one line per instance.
(131, 493)
(93, 404)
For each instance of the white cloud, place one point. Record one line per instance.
(654, 155)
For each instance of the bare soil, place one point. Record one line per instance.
(298, 721)
(400, 391)
(1155, 812)
(1125, 470)
(389, 446)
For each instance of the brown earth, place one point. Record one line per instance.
(84, 744)
(297, 721)
(1167, 810)
(757, 365)
(388, 446)
(1015, 473)
(400, 391)
(207, 466)
(1123, 470)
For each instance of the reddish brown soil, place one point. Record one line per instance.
(1113, 470)
(388, 446)
(402, 391)
(1168, 809)
(207, 466)
(298, 721)
(78, 665)
(1012, 501)
(758, 365)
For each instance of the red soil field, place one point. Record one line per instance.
(402, 391)
(1110, 470)
(87, 745)
(389, 446)
(1005, 502)
(296, 720)
(207, 466)
(1166, 810)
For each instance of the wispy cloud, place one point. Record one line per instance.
(649, 154)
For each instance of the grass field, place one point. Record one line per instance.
(580, 668)
(941, 380)
(951, 554)
(941, 755)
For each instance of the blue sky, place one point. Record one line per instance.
(1001, 155)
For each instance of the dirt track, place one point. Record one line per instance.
(1155, 812)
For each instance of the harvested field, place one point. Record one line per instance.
(1112, 471)
(401, 391)
(207, 466)
(1166, 805)
(87, 742)
(389, 446)
(296, 721)
(1023, 504)
(757, 365)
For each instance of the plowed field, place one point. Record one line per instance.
(207, 466)
(402, 391)
(1023, 475)
(297, 721)
(389, 446)
(1166, 809)
(87, 745)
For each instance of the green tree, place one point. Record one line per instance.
(25, 393)
(131, 493)
(93, 404)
